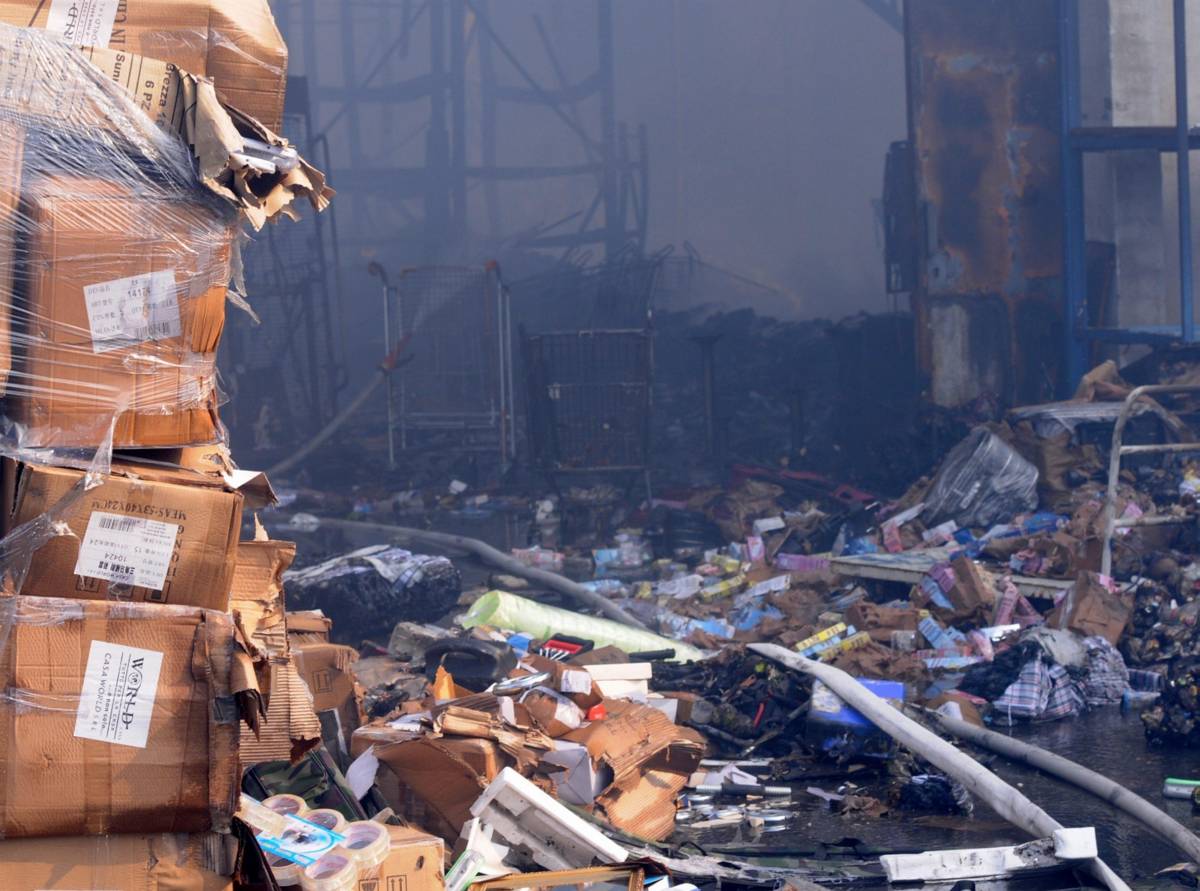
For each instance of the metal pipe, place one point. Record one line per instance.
(614, 221)
(1183, 172)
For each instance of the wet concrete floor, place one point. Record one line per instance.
(1108, 741)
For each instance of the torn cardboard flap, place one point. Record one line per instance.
(522, 746)
(256, 589)
(233, 152)
(291, 727)
(308, 626)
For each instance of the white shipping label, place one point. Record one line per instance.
(83, 22)
(117, 700)
(127, 550)
(133, 310)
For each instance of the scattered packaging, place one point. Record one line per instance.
(650, 759)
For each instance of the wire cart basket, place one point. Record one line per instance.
(589, 400)
(460, 383)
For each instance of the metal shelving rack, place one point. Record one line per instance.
(1078, 141)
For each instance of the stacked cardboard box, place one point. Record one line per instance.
(133, 685)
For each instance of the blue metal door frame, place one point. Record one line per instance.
(1078, 141)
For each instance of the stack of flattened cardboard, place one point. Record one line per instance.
(130, 676)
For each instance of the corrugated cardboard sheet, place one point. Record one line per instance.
(651, 759)
(54, 782)
(257, 586)
(85, 233)
(235, 42)
(124, 862)
(291, 727)
(208, 515)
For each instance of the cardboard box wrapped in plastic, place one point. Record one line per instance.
(119, 717)
(121, 313)
(235, 42)
(129, 862)
(145, 533)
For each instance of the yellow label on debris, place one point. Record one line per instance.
(820, 637)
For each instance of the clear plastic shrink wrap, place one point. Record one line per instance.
(114, 262)
(119, 717)
(234, 42)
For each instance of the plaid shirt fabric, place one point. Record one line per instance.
(1146, 681)
(1041, 692)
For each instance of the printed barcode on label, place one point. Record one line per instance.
(123, 524)
(127, 550)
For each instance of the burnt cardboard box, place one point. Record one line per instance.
(118, 718)
(415, 863)
(129, 862)
(650, 759)
(122, 313)
(1090, 608)
(235, 42)
(162, 536)
(440, 773)
(328, 671)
